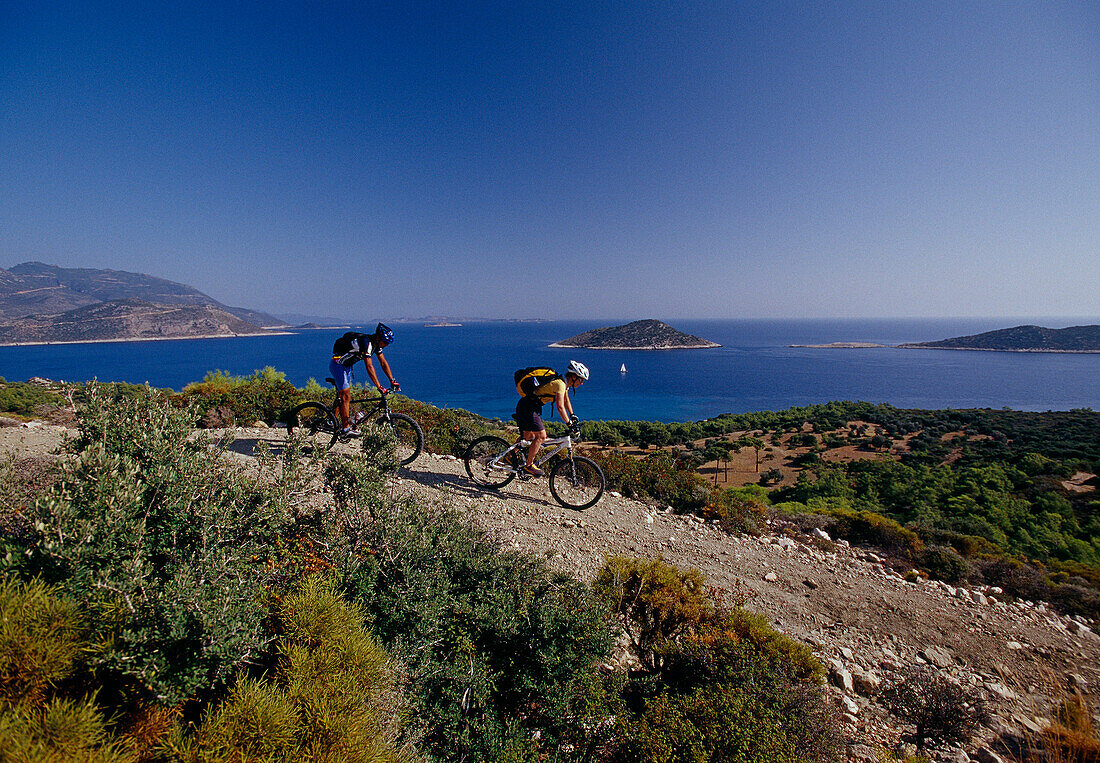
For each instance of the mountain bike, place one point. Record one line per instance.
(576, 482)
(319, 424)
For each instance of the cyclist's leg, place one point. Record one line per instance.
(342, 375)
(529, 419)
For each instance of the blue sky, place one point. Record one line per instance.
(563, 160)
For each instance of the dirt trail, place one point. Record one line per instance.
(861, 618)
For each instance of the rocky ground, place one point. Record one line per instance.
(862, 618)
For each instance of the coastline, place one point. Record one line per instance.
(996, 349)
(146, 339)
(707, 346)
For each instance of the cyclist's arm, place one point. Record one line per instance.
(386, 369)
(565, 408)
(371, 372)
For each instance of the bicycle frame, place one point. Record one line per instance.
(550, 448)
(381, 404)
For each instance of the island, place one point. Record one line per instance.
(1081, 339)
(839, 346)
(639, 335)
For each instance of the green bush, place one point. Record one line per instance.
(263, 396)
(714, 686)
(656, 476)
(164, 542)
(447, 430)
(497, 646)
(332, 696)
(656, 601)
(61, 730)
(738, 510)
(944, 563)
(868, 528)
(22, 399)
(41, 641)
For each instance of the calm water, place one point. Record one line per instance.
(471, 367)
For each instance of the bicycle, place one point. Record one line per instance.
(319, 424)
(576, 482)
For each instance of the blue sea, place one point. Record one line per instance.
(470, 366)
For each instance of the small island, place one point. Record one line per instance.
(639, 335)
(1082, 339)
(839, 346)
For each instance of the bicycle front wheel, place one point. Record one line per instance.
(577, 482)
(315, 424)
(407, 435)
(477, 457)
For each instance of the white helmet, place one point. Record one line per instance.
(578, 369)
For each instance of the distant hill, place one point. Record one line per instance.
(639, 335)
(1023, 339)
(125, 319)
(35, 288)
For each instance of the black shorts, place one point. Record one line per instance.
(529, 414)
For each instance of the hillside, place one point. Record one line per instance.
(1023, 339)
(126, 319)
(639, 335)
(866, 622)
(35, 288)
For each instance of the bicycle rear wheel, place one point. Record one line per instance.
(577, 482)
(315, 424)
(477, 457)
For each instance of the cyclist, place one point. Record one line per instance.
(346, 351)
(529, 410)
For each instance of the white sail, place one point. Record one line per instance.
(623, 369)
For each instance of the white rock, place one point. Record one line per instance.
(771, 577)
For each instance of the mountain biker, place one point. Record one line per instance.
(346, 351)
(529, 411)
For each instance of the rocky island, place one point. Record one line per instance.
(639, 335)
(1022, 339)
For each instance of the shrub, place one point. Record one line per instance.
(717, 724)
(737, 510)
(497, 646)
(944, 563)
(937, 709)
(724, 687)
(263, 396)
(22, 399)
(868, 528)
(332, 696)
(166, 544)
(446, 430)
(40, 641)
(656, 601)
(656, 476)
(61, 730)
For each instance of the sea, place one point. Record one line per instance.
(471, 366)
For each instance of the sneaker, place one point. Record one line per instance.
(347, 432)
(534, 471)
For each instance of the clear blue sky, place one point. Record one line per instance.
(563, 159)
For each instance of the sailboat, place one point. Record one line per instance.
(623, 369)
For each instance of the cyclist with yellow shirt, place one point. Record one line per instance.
(529, 410)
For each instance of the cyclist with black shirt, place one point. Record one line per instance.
(346, 352)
